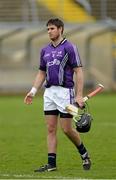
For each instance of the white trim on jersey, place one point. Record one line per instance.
(77, 55)
(61, 69)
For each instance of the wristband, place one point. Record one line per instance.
(33, 91)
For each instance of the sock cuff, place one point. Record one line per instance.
(52, 154)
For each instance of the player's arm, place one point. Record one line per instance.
(79, 86)
(39, 80)
(76, 64)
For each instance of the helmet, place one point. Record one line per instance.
(83, 121)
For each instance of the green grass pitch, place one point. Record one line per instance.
(23, 141)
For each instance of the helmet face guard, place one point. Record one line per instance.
(83, 121)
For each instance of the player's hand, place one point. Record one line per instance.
(28, 98)
(79, 100)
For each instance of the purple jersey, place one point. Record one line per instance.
(58, 62)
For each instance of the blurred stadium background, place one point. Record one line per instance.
(91, 24)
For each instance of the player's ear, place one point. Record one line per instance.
(61, 29)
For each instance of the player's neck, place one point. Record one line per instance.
(57, 41)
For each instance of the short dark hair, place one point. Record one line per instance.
(57, 22)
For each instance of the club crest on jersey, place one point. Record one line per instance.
(59, 54)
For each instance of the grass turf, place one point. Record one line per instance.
(23, 141)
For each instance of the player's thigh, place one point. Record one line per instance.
(66, 124)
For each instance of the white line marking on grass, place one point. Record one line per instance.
(37, 177)
(29, 176)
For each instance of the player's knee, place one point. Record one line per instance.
(66, 130)
(51, 129)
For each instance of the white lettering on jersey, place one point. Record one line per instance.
(54, 62)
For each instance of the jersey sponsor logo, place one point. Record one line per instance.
(54, 62)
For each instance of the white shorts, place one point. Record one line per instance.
(57, 98)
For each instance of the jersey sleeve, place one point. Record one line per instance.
(74, 57)
(42, 65)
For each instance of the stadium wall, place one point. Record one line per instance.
(19, 64)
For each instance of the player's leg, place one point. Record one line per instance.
(73, 135)
(51, 122)
(65, 96)
(51, 117)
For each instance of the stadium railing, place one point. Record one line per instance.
(108, 77)
(8, 34)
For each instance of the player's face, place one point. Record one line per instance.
(54, 32)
